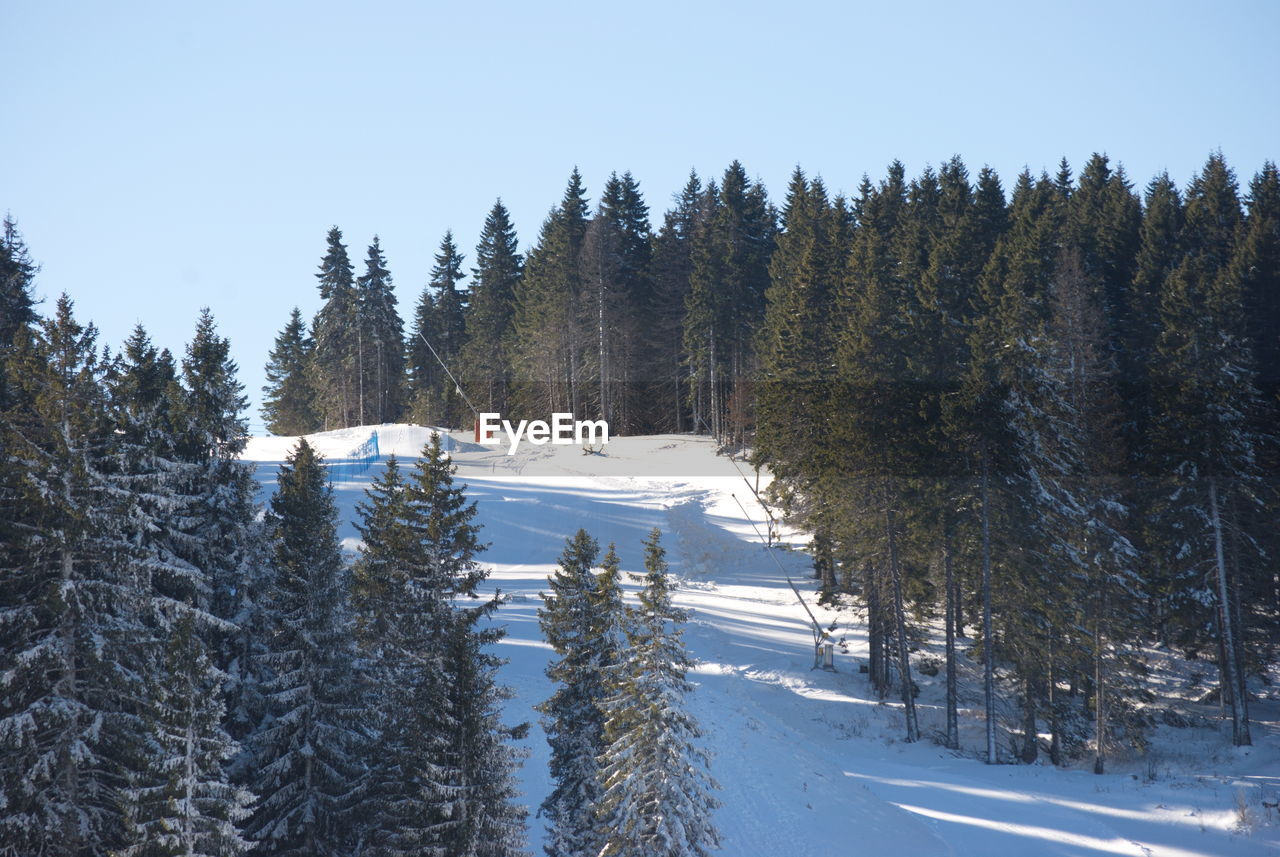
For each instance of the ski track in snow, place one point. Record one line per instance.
(810, 762)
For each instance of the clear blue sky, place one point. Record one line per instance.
(164, 156)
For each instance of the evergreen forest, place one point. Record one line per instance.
(1038, 416)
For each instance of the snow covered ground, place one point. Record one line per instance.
(810, 762)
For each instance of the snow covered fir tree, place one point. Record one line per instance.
(656, 792)
(1014, 443)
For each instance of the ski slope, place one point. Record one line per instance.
(810, 762)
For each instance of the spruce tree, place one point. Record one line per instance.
(726, 301)
(1099, 558)
(880, 440)
(308, 750)
(1257, 265)
(548, 337)
(184, 804)
(440, 324)
(616, 303)
(179, 798)
(73, 611)
(797, 387)
(656, 793)
(491, 821)
(379, 343)
(419, 555)
(580, 620)
(1207, 453)
(495, 278)
(336, 362)
(17, 304)
(289, 400)
(671, 268)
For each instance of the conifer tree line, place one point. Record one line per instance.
(1048, 421)
(602, 317)
(185, 673)
(1045, 413)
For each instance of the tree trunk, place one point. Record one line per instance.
(1030, 741)
(1055, 736)
(1099, 699)
(875, 641)
(904, 660)
(1239, 725)
(988, 644)
(1242, 670)
(953, 720)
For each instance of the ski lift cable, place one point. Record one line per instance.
(457, 386)
(773, 522)
(818, 632)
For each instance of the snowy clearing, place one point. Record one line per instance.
(811, 762)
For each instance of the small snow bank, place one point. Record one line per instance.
(670, 456)
(398, 439)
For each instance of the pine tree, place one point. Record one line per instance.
(440, 324)
(17, 305)
(797, 387)
(336, 347)
(580, 620)
(491, 822)
(616, 303)
(307, 753)
(422, 794)
(495, 279)
(1206, 395)
(969, 222)
(1106, 557)
(671, 269)
(880, 439)
(380, 343)
(222, 537)
(72, 609)
(726, 301)
(548, 340)
(289, 400)
(185, 805)
(219, 536)
(178, 798)
(17, 273)
(1257, 266)
(656, 792)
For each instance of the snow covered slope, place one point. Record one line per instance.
(810, 762)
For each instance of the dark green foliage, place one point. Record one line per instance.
(70, 608)
(549, 340)
(491, 305)
(419, 557)
(439, 323)
(379, 335)
(580, 619)
(337, 349)
(671, 270)
(657, 795)
(616, 305)
(307, 751)
(17, 273)
(185, 805)
(289, 400)
(730, 254)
